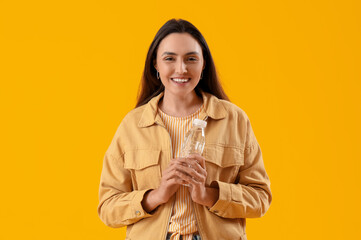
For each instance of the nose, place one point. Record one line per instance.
(181, 67)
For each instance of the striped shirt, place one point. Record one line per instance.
(182, 221)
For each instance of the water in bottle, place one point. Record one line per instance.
(194, 140)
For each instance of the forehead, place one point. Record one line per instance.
(179, 43)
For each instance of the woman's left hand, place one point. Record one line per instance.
(195, 176)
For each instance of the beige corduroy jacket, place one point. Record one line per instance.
(141, 150)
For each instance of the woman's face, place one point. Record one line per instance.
(179, 63)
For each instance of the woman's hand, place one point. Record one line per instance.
(169, 184)
(170, 181)
(194, 173)
(191, 171)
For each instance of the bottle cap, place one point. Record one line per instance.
(199, 123)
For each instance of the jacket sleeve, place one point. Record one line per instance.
(250, 196)
(119, 205)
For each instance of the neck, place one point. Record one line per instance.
(180, 106)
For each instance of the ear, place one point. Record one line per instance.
(155, 64)
(204, 65)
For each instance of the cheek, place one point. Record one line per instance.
(196, 70)
(164, 69)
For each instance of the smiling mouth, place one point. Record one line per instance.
(180, 80)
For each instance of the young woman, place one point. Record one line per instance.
(147, 187)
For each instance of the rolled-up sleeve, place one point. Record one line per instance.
(250, 196)
(119, 205)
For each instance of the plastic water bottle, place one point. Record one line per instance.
(195, 139)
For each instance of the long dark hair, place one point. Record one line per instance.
(151, 86)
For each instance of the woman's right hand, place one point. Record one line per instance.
(169, 184)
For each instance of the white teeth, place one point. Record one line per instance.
(180, 80)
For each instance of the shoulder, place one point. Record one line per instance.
(234, 111)
(240, 121)
(134, 115)
(137, 120)
(126, 131)
(130, 121)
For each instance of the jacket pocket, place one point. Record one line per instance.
(144, 168)
(223, 163)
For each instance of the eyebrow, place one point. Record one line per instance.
(172, 53)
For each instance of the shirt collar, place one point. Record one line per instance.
(213, 108)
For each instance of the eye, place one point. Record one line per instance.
(168, 59)
(192, 59)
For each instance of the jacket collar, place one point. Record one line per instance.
(213, 108)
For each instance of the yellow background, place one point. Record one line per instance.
(70, 71)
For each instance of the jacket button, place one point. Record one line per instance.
(137, 213)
